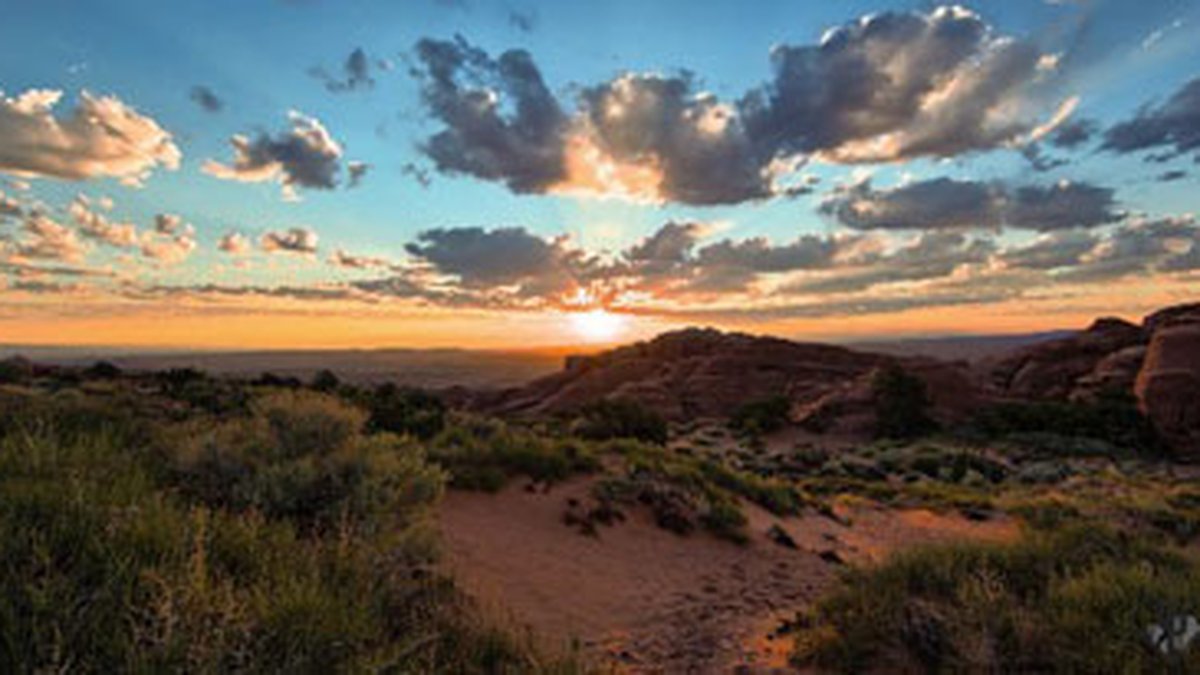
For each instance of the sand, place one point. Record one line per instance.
(647, 600)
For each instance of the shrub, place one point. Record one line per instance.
(404, 411)
(483, 455)
(1110, 426)
(102, 370)
(1074, 600)
(901, 404)
(107, 569)
(761, 417)
(326, 381)
(621, 418)
(15, 370)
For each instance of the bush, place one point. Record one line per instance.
(483, 455)
(621, 418)
(1111, 426)
(1073, 600)
(15, 370)
(901, 405)
(761, 417)
(102, 370)
(326, 381)
(110, 567)
(403, 411)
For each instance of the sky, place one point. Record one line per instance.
(370, 173)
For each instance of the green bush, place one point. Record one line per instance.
(110, 567)
(1111, 426)
(621, 418)
(1073, 600)
(484, 454)
(761, 417)
(901, 404)
(406, 411)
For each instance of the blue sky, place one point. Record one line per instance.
(257, 57)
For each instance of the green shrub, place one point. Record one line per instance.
(483, 455)
(406, 411)
(761, 417)
(901, 404)
(621, 418)
(1111, 426)
(110, 565)
(1074, 600)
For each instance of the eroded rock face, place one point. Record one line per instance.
(1073, 367)
(1168, 386)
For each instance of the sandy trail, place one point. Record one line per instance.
(648, 600)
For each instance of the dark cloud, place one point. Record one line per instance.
(697, 144)
(1051, 251)
(1171, 176)
(1073, 133)
(207, 99)
(889, 87)
(1173, 126)
(340, 258)
(355, 74)
(1039, 160)
(1060, 206)
(305, 156)
(502, 122)
(1165, 244)
(930, 84)
(418, 174)
(505, 257)
(946, 203)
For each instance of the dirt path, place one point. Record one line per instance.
(652, 601)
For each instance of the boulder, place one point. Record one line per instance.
(1168, 385)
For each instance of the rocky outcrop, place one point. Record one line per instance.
(704, 373)
(1072, 368)
(1168, 385)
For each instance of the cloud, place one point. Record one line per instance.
(1053, 250)
(512, 259)
(931, 255)
(95, 225)
(357, 171)
(48, 240)
(946, 203)
(1073, 133)
(207, 99)
(102, 138)
(1164, 244)
(168, 249)
(168, 223)
(889, 87)
(340, 258)
(501, 121)
(234, 243)
(1173, 126)
(305, 156)
(1171, 176)
(293, 240)
(356, 74)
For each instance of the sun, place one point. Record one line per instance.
(597, 325)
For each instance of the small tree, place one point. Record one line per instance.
(764, 416)
(325, 380)
(15, 370)
(103, 370)
(901, 404)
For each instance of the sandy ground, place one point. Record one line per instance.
(647, 600)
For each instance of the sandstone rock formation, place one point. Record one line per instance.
(1168, 385)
